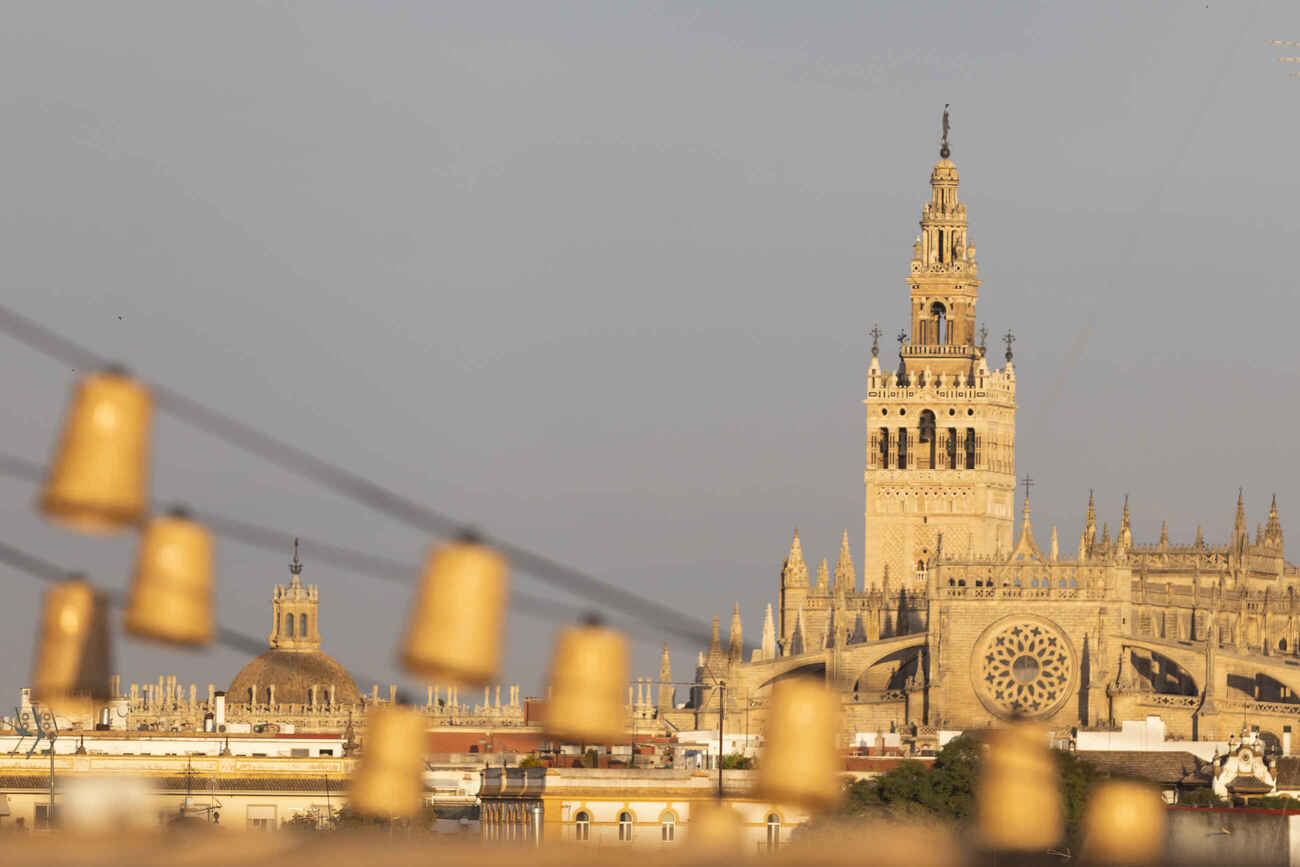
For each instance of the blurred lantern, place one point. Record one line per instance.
(1018, 804)
(800, 763)
(1124, 824)
(455, 627)
(98, 481)
(73, 656)
(171, 591)
(588, 675)
(715, 830)
(389, 782)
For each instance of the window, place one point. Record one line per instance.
(773, 831)
(925, 456)
(261, 817)
(625, 826)
(302, 625)
(582, 826)
(668, 826)
(288, 625)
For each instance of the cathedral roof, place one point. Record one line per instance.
(293, 673)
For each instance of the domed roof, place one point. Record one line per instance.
(293, 673)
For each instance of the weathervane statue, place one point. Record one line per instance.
(943, 148)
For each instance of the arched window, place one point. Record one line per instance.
(902, 448)
(582, 825)
(926, 441)
(884, 447)
(938, 319)
(302, 625)
(288, 625)
(625, 826)
(970, 448)
(773, 831)
(668, 826)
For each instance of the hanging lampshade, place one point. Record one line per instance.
(589, 673)
(800, 763)
(99, 479)
(73, 654)
(455, 628)
(1018, 805)
(171, 590)
(1124, 823)
(389, 782)
(714, 830)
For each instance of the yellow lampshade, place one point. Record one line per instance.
(455, 628)
(1125, 824)
(715, 830)
(98, 481)
(588, 676)
(1018, 803)
(389, 782)
(73, 653)
(800, 763)
(171, 591)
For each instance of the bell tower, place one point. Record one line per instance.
(941, 427)
(294, 609)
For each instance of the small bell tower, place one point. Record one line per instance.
(294, 608)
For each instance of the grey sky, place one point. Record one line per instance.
(597, 277)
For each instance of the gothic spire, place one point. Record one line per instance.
(715, 643)
(1273, 530)
(769, 634)
(1164, 533)
(845, 579)
(797, 643)
(1054, 547)
(795, 571)
(667, 694)
(823, 577)
(1125, 538)
(736, 641)
(1239, 521)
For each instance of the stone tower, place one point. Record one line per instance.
(941, 427)
(294, 626)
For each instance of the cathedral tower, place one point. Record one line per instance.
(294, 607)
(941, 428)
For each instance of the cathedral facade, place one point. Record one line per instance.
(961, 618)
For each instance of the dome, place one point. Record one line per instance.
(293, 673)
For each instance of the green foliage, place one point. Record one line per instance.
(1201, 798)
(591, 759)
(946, 789)
(737, 762)
(1275, 802)
(530, 762)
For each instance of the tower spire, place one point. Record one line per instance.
(667, 695)
(736, 641)
(795, 573)
(823, 577)
(769, 634)
(846, 580)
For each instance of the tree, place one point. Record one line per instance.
(530, 762)
(1201, 797)
(591, 759)
(737, 762)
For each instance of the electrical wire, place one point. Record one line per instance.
(41, 339)
(384, 568)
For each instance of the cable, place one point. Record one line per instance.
(44, 570)
(383, 568)
(289, 457)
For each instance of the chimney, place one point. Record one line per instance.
(220, 711)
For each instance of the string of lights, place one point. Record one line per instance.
(595, 592)
(384, 568)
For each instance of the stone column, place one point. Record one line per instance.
(194, 696)
(212, 689)
(392, 693)
(270, 696)
(428, 702)
(332, 703)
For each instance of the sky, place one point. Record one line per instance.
(597, 278)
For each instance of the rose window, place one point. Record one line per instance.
(1023, 665)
